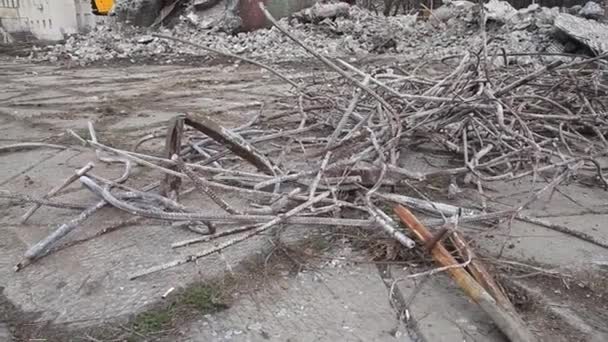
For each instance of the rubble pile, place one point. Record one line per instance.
(342, 158)
(449, 30)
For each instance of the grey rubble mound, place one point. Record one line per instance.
(451, 29)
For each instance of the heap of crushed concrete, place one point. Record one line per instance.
(449, 30)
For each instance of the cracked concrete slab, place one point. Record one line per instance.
(332, 304)
(577, 207)
(440, 311)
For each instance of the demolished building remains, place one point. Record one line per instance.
(416, 134)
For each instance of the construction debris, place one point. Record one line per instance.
(501, 313)
(592, 10)
(506, 108)
(202, 5)
(320, 12)
(500, 11)
(501, 120)
(334, 29)
(589, 33)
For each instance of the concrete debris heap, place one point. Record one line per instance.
(343, 30)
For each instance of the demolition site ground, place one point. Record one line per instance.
(366, 178)
(310, 284)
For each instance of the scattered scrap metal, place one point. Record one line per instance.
(330, 164)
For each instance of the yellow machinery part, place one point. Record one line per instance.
(102, 7)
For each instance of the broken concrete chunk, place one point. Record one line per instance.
(587, 32)
(461, 4)
(575, 9)
(452, 12)
(201, 5)
(534, 17)
(443, 14)
(230, 23)
(524, 18)
(319, 12)
(591, 10)
(546, 16)
(499, 11)
(530, 9)
(145, 39)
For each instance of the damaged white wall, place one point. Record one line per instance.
(47, 19)
(9, 16)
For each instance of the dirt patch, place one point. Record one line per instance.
(159, 320)
(585, 293)
(12, 316)
(549, 326)
(540, 298)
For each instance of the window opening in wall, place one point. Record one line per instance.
(50, 24)
(43, 23)
(9, 3)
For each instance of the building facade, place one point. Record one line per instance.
(47, 19)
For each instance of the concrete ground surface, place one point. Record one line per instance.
(88, 284)
(332, 304)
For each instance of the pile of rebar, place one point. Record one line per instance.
(331, 161)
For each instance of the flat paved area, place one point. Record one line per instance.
(331, 304)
